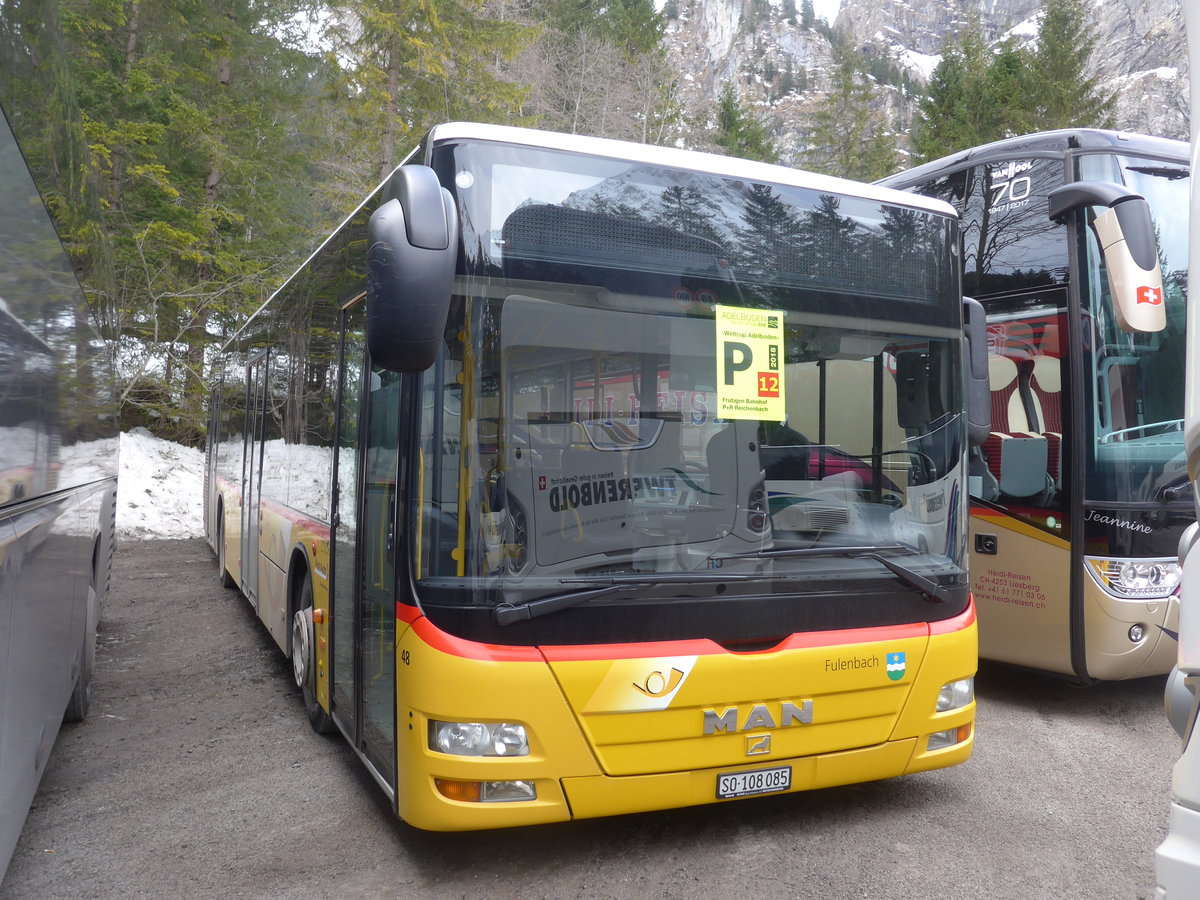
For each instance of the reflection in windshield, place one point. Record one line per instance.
(570, 428)
(1137, 394)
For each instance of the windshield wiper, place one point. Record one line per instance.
(776, 552)
(1161, 171)
(933, 590)
(604, 586)
(936, 592)
(510, 613)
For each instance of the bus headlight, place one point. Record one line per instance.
(943, 739)
(1135, 579)
(956, 694)
(486, 791)
(478, 738)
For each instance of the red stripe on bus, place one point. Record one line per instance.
(447, 643)
(965, 619)
(704, 647)
(317, 529)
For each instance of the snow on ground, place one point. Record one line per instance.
(160, 488)
(160, 484)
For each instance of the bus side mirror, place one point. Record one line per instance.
(1126, 235)
(979, 393)
(412, 248)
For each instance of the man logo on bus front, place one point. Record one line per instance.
(758, 744)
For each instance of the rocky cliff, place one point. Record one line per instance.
(782, 69)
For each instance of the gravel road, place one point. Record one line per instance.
(196, 775)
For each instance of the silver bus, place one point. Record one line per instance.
(57, 463)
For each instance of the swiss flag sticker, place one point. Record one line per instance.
(1151, 295)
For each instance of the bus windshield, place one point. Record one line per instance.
(1136, 453)
(581, 428)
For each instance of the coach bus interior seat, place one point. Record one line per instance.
(1045, 386)
(1016, 455)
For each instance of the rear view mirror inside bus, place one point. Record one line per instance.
(412, 243)
(1127, 243)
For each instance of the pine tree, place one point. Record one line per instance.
(413, 63)
(979, 94)
(976, 95)
(769, 234)
(741, 133)
(849, 137)
(687, 210)
(195, 116)
(1066, 96)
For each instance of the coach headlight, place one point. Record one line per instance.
(478, 738)
(1135, 579)
(956, 694)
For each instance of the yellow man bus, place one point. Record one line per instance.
(1075, 243)
(579, 477)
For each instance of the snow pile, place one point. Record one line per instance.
(160, 488)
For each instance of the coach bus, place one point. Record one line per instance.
(579, 477)
(1080, 494)
(57, 495)
(1177, 859)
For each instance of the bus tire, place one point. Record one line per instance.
(81, 695)
(304, 661)
(227, 580)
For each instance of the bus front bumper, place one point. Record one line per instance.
(594, 796)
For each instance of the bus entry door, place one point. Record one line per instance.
(252, 457)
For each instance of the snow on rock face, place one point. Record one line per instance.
(1139, 43)
(1142, 55)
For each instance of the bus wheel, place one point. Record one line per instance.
(304, 661)
(227, 580)
(81, 696)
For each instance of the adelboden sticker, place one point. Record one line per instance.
(750, 364)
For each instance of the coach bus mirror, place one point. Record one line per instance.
(979, 396)
(412, 248)
(1126, 235)
(912, 389)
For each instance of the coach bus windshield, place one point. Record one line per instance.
(653, 376)
(1137, 454)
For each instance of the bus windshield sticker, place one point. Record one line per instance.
(750, 364)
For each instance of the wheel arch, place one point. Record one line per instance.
(299, 567)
